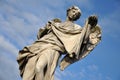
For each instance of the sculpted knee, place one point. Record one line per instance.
(39, 67)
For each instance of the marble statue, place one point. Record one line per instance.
(39, 60)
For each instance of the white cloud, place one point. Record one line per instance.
(86, 72)
(30, 17)
(6, 46)
(92, 67)
(66, 74)
(8, 68)
(92, 72)
(16, 27)
(8, 63)
(110, 23)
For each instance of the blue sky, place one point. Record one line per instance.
(21, 19)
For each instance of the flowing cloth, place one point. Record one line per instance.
(64, 37)
(48, 46)
(87, 41)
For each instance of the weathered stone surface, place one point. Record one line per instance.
(38, 61)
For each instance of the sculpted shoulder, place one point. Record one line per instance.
(77, 26)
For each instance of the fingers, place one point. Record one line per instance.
(92, 20)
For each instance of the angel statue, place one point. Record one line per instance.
(39, 60)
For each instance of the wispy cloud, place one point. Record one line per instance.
(8, 68)
(92, 67)
(16, 30)
(91, 72)
(6, 46)
(88, 72)
(20, 25)
(8, 63)
(110, 22)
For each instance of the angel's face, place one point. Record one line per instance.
(73, 13)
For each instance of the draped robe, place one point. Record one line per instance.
(63, 38)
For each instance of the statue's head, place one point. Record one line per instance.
(73, 13)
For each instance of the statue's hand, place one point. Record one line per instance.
(92, 20)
